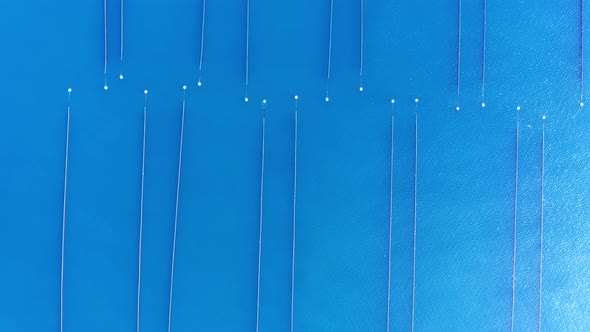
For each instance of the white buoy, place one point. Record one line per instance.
(176, 208)
(63, 225)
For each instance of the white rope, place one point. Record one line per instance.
(362, 42)
(514, 230)
(122, 36)
(63, 225)
(483, 63)
(390, 227)
(294, 226)
(459, 57)
(105, 44)
(202, 41)
(141, 210)
(415, 221)
(541, 230)
(260, 226)
(330, 50)
(581, 52)
(247, 45)
(176, 213)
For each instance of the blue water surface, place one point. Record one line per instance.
(466, 166)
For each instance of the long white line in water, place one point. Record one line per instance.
(515, 222)
(330, 51)
(141, 208)
(122, 37)
(176, 209)
(390, 221)
(483, 62)
(581, 52)
(202, 43)
(362, 43)
(260, 223)
(63, 221)
(247, 46)
(541, 226)
(294, 221)
(459, 57)
(415, 215)
(106, 87)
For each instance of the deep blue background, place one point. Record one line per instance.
(465, 183)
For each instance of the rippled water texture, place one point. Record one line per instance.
(465, 183)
